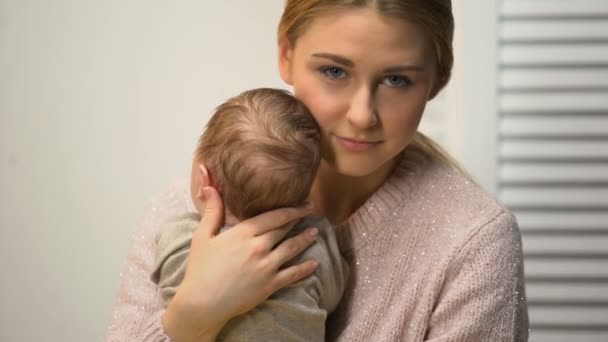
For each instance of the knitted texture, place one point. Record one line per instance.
(432, 258)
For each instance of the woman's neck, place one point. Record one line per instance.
(338, 196)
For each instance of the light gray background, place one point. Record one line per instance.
(101, 103)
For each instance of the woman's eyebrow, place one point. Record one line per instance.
(402, 68)
(337, 59)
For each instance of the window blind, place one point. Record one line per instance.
(553, 159)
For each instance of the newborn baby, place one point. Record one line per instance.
(261, 150)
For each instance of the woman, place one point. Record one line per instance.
(433, 257)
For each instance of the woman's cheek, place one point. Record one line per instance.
(322, 104)
(304, 89)
(323, 110)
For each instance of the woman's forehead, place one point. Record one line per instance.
(365, 34)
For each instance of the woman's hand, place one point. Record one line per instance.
(230, 273)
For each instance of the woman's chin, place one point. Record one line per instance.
(357, 168)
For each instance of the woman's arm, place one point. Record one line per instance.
(138, 308)
(483, 297)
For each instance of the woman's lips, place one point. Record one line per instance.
(357, 145)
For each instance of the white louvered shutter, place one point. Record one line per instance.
(553, 159)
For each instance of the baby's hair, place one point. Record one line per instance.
(262, 150)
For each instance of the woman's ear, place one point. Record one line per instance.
(285, 60)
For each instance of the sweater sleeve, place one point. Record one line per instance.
(483, 296)
(138, 308)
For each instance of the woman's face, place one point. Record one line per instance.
(366, 79)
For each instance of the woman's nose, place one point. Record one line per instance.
(362, 110)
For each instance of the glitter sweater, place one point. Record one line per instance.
(432, 258)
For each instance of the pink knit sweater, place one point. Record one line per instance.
(433, 258)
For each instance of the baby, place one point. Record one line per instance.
(261, 149)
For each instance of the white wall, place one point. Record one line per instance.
(101, 103)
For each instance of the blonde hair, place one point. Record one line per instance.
(434, 17)
(262, 151)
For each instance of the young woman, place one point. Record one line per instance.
(433, 257)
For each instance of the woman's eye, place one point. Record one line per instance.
(333, 72)
(397, 81)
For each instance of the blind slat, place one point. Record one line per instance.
(554, 8)
(564, 102)
(547, 150)
(566, 245)
(554, 30)
(538, 173)
(553, 78)
(585, 316)
(556, 197)
(551, 220)
(567, 268)
(572, 54)
(537, 335)
(560, 292)
(562, 125)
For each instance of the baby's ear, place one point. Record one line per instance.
(199, 178)
(203, 173)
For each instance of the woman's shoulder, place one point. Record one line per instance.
(440, 195)
(172, 201)
(460, 206)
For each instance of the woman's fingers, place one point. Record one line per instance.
(293, 246)
(276, 218)
(292, 274)
(271, 238)
(213, 214)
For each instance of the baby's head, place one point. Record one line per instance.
(261, 149)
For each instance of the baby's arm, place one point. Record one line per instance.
(172, 250)
(291, 314)
(297, 312)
